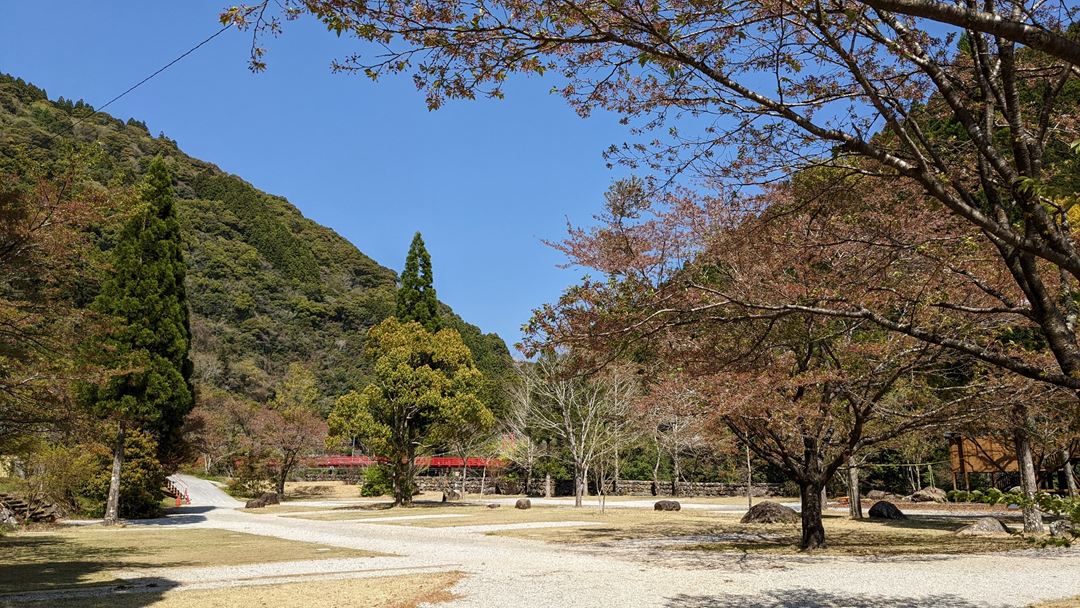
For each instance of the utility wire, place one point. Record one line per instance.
(145, 80)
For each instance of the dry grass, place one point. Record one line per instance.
(320, 489)
(723, 532)
(89, 555)
(1072, 602)
(406, 591)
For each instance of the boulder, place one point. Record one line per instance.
(884, 509)
(667, 505)
(984, 526)
(930, 494)
(1062, 529)
(875, 494)
(270, 498)
(493, 505)
(770, 513)
(523, 503)
(7, 518)
(450, 494)
(255, 503)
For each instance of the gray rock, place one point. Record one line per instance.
(270, 498)
(876, 494)
(523, 503)
(884, 509)
(930, 494)
(1062, 529)
(984, 526)
(7, 518)
(255, 503)
(493, 505)
(770, 513)
(667, 505)
(450, 494)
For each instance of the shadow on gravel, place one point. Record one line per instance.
(811, 598)
(131, 593)
(175, 516)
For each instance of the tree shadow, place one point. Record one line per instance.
(49, 571)
(812, 598)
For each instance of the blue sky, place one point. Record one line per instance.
(484, 181)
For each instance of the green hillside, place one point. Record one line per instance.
(266, 285)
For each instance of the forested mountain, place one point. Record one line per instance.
(267, 287)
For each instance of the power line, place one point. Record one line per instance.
(145, 80)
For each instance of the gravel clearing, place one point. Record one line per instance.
(503, 571)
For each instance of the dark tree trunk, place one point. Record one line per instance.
(813, 531)
(112, 503)
(398, 479)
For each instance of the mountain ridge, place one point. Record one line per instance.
(267, 286)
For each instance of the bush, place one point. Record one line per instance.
(992, 496)
(250, 479)
(959, 496)
(142, 479)
(377, 481)
(975, 496)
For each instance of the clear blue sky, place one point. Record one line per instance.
(484, 181)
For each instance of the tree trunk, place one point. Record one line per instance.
(656, 473)
(813, 531)
(579, 485)
(547, 484)
(854, 495)
(675, 474)
(1032, 517)
(402, 492)
(112, 503)
(483, 479)
(1070, 480)
(615, 482)
(282, 474)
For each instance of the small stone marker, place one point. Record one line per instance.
(984, 526)
(667, 505)
(884, 509)
(770, 513)
(1062, 529)
(523, 503)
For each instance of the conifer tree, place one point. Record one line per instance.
(416, 299)
(145, 349)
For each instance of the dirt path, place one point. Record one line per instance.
(505, 572)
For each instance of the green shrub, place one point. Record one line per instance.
(377, 481)
(992, 496)
(975, 496)
(250, 479)
(142, 479)
(959, 496)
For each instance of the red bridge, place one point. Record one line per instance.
(435, 462)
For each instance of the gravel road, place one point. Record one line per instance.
(511, 572)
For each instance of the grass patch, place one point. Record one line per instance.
(89, 555)
(844, 536)
(1072, 602)
(407, 591)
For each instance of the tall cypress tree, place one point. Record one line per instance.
(416, 299)
(146, 346)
